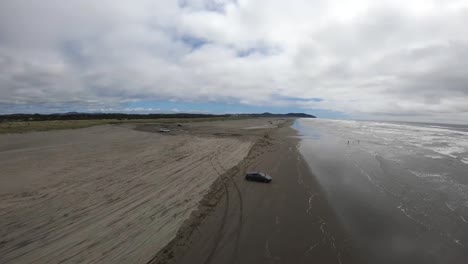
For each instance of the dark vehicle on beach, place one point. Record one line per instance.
(258, 176)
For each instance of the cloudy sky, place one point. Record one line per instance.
(363, 59)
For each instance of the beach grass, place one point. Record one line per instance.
(30, 126)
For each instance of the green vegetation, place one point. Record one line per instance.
(22, 123)
(30, 126)
(27, 126)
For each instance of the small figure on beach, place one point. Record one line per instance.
(348, 142)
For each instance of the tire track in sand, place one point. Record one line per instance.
(238, 230)
(219, 233)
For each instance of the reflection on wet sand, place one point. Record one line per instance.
(400, 203)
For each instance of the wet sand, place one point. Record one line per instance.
(399, 205)
(287, 221)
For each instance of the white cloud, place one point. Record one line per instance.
(385, 59)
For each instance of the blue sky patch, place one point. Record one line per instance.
(229, 108)
(297, 99)
(193, 42)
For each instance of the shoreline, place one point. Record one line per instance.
(227, 221)
(400, 205)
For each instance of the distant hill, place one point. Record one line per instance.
(122, 116)
(301, 115)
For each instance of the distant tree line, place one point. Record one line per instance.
(266, 114)
(122, 116)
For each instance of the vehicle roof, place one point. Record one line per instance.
(256, 172)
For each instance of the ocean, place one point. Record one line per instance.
(399, 189)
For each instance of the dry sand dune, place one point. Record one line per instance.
(106, 194)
